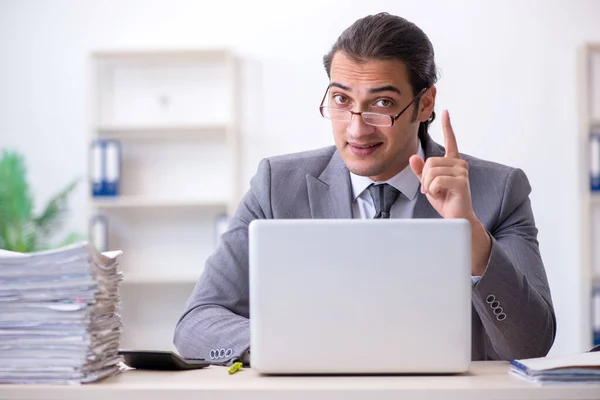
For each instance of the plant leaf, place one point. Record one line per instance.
(16, 203)
(21, 237)
(20, 230)
(50, 218)
(31, 239)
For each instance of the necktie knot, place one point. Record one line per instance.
(384, 195)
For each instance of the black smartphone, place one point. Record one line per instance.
(160, 360)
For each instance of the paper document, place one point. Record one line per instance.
(59, 320)
(576, 368)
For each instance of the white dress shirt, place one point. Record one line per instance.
(405, 181)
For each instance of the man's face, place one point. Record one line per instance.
(379, 86)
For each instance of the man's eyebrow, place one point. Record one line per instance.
(339, 85)
(387, 88)
(379, 89)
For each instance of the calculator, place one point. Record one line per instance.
(160, 360)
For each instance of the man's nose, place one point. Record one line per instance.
(358, 127)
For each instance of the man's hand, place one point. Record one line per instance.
(445, 182)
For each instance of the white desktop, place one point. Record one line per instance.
(360, 296)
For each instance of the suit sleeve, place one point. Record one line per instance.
(512, 298)
(215, 325)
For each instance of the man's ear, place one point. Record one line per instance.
(427, 104)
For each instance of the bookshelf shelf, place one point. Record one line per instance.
(162, 131)
(124, 202)
(174, 116)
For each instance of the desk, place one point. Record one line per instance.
(486, 380)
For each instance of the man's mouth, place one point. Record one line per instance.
(364, 146)
(364, 149)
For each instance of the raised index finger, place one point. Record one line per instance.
(449, 138)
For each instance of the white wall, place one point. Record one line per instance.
(508, 78)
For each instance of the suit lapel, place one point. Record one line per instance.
(330, 195)
(423, 208)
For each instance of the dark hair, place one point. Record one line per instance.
(384, 37)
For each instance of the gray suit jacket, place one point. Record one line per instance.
(316, 184)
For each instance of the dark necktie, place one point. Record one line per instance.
(384, 196)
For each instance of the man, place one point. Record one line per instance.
(380, 100)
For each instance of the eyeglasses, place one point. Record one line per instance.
(370, 118)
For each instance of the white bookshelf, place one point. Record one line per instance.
(175, 115)
(589, 106)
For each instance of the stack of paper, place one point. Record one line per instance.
(59, 320)
(577, 368)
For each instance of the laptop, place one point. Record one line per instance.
(353, 296)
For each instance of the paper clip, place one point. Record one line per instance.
(235, 368)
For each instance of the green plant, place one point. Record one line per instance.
(20, 229)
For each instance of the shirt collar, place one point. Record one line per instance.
(405, 181)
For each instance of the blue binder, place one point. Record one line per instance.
(112, 167)
(97, 168)
(106, 167)
(596, 314)
(595, 161)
